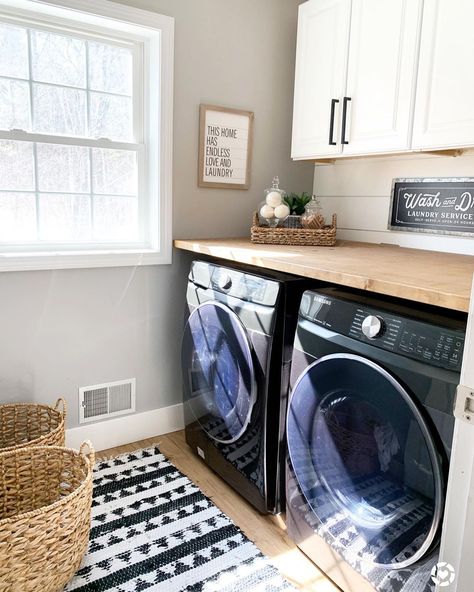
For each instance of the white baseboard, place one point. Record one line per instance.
(127, 429)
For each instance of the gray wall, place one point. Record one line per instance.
(60, 330)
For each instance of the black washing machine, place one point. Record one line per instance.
(369, 432)
(236, 353)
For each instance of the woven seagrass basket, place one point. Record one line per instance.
(45, 509)
(30, 424)
(324, 237)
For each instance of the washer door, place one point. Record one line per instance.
(365, 461)
(218, 371)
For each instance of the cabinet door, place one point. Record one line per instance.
(444, 111)
(381, 75)
(321, 60)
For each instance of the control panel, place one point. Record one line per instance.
(244, 286)
(432, 343)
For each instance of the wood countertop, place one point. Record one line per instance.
(441, 279)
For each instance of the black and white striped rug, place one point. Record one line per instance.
(152, 529)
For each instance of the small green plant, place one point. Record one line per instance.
(297, 203)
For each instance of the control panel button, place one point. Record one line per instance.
(372, 326)
(224, 282)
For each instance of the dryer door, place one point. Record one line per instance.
(366, 462)
(218, 371)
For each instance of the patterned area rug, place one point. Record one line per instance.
(152, 529)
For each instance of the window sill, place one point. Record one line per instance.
(82, 259)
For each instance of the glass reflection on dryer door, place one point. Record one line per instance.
(365, 460)
(219, 380)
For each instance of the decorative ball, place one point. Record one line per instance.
(282, 211)
(273, 199)
(267, 212)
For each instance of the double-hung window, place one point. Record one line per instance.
(85, 134)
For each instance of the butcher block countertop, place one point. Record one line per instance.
(441, 279)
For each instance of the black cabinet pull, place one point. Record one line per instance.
(344, 118)
(331, 122)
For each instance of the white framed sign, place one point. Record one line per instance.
(225, 147)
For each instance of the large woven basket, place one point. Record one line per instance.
(45, 508)
(324, 237)
(30, 424)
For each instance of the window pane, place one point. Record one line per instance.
(56, 84)
(59, 110)
(17, 217)
(16, 166)
(111, 117)
(64, 217)
(110, 68)
(115, 218)
(14, 104)
(63, 168)
(114, 172)
(13, 51)
(58, 59)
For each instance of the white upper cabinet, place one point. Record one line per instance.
(361, 57)
(321, 62)
(381, 75)
(398, 73)
(444, 111)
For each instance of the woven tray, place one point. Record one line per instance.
(323, 237)
(31, 424)
(45, 512)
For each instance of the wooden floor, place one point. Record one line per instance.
(267, 532)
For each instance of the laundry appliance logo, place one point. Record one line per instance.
(443, 574)
(323, 300)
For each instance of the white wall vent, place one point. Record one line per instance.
(110, 399)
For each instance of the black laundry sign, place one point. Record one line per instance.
(444, 206)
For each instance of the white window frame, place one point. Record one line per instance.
(156, 33)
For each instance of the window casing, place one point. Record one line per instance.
(85, 151)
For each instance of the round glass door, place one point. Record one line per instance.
(365, 461)
(218, 372)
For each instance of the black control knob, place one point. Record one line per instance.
(372, 326)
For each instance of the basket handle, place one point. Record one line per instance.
(61, 402)
(90, 454)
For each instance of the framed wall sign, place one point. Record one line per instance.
(437, 206)
(225, 147)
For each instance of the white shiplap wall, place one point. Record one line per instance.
(358, 191)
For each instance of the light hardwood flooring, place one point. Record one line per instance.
(267, 532)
